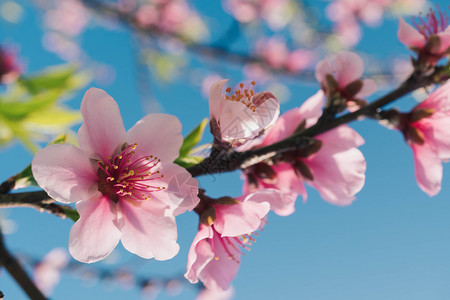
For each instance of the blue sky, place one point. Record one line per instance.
(391, 243)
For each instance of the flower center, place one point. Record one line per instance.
(246, 95)
(433, 23)
(231, 244)
(125, 176)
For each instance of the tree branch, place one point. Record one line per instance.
(231, 160)
(16, 271)
(212, 51)
(38, 200)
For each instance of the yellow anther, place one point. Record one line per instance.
(228, 89)
(120, 156)
(132, 152)
(116, 167)
(109, 157)
(253, 83)
(134, 146)
(241, 85)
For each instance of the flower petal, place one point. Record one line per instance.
(444, 37)
(146, 234)
(322, 69)
(245, 217)
(409, 36)
(65, 173)
(158, 135)
(338, 167)
(95, 235)
(348, 67)
(181, 190)
(200, 253)
(368, 88)
(216, 98)
(102, 131)
(218, 273)
(428, 169)
(237, 121)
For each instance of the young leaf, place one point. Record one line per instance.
(192, 139)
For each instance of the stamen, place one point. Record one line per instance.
(129, 178)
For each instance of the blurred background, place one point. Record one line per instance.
(162, 56)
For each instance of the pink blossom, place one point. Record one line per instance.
(333, 164)
(429, 38)
(208, 294)
(48, 272)
(125, 183)
(277, 13)
(342, 75)
(9, 67)
(68, 16)
(426, 130)
(345, 68)
(214, 256)
(240, 115)
(274, 51)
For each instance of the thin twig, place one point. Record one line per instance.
(17, 272)
(38, 200)
(214, 51)
(230, 161)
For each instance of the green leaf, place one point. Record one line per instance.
(60, 77)
(189, 161)
(71, 213)
(192, 139)
(54, 116)
(17, 110)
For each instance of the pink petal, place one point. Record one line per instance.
(322, 69)
(444, 37)
(439, 100)
(102, 131)
(348, 67)
(95, 235)
(428, 169)
(208, 294)
(409, 36)
(146, 234)
(311, 109)
(284, 127)
(237, 121)
(158, 135)
(283, 204)
(368, 88)
(239, 219)
(338, 167)
(65, 173)
(200, 254)
(181, 190)
(437, 135)
(216, 99)
(286, 124)
(218, 274)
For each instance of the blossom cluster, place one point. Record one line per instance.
(127, 187)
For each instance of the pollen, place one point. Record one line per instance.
(125, 176)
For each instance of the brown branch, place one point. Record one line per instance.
(227, 161)
(17, 272)
(38, 200)
(7, 185)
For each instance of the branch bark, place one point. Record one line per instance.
(233, 160)
(38, 200)
(12, 265)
